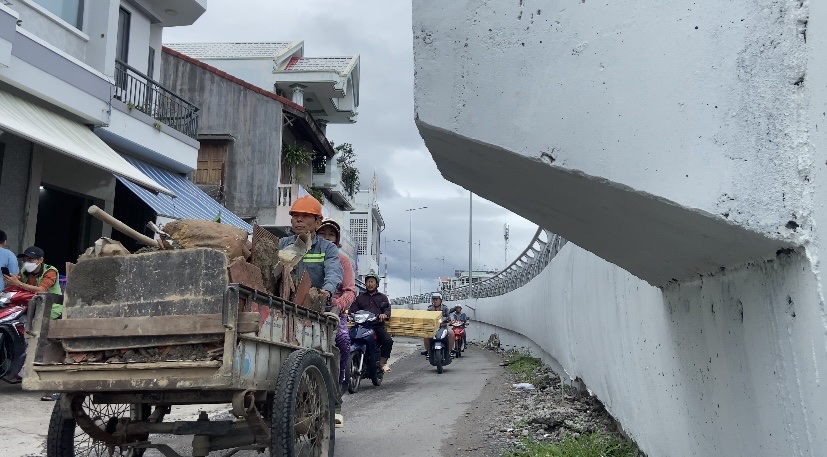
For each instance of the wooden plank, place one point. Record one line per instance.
(129, 366)
(303, 289)
(194, 324)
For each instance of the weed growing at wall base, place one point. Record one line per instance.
(524, 366)
(586, 445)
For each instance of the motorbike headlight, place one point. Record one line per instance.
(360, 318)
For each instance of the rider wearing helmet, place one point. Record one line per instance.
(345, 293)
(322, 260)
(436, 305)
(377, 303)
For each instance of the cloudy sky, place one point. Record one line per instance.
(385, 137)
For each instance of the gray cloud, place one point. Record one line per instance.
(385, 138)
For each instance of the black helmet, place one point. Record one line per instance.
(335, 226)
(372, 274)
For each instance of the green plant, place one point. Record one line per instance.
(585, 445)
(157, 126)
(316, 193)
(295, 154)
(350, 174)
(130, 106)
(524, 366)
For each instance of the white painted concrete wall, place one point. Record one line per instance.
(704, 110)
(673, 144)
(725, 365)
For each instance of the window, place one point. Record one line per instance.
(70, 11)
(359, 231)
(122, 46)
(150, 66)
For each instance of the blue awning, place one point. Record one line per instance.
(190, 201)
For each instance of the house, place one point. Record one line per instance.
(84, 121)
(273, 148)
(366, 224)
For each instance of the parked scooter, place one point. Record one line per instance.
(357, 367)
(14, 303)
(458, 327)
(439, 354)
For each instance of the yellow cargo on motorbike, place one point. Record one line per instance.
(414, 322)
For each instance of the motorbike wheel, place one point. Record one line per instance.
(354, 375)
(67, 439)
(458, 348)
(303, 408)
(438, 360)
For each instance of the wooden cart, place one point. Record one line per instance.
(143, 334)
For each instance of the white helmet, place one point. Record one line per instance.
(436, 295)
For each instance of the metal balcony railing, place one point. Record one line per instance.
(534, 259)
(140, 92)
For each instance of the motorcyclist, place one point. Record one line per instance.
(436, 305)
(457, 315)
(377, 303)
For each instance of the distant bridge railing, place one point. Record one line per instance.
(534, 259)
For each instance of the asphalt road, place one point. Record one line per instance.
(413, 413)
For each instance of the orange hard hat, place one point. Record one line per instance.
(307, 205)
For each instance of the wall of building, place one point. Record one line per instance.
(52, 29)
(256, 124)
(14, 182)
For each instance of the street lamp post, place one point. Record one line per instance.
(410, 247)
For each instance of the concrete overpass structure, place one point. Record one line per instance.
(681, 151)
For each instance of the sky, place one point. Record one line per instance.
(384, 138)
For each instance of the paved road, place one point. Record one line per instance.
(411, 414)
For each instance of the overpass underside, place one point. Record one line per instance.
(681, 149)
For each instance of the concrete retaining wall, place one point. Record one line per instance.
(725, 365)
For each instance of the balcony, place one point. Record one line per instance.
(287, 194)
(140, 92)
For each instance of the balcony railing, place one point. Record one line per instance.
(140, 92)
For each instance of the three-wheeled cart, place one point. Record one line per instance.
(143, 334)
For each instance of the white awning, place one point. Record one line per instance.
(30, 121)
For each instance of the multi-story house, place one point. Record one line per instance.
(366, 224)
(283, 102)
(84, 121)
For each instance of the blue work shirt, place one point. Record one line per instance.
(321, 263)
(8, 260)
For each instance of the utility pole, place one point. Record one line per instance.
(410, 247)
(470, 244)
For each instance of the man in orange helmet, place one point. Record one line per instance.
(322, 260)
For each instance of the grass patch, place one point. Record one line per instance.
(586, 445)
(524, 366)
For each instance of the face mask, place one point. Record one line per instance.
(29, 267)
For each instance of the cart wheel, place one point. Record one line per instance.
(303, 415)
(66, 439)
(354, 375)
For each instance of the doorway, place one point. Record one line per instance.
(64, 229)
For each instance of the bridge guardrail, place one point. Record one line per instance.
(542, 248)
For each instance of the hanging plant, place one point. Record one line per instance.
(295, 154)
(316, 193)
(350, 174)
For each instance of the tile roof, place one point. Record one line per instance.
(337, 64)
(231, 50)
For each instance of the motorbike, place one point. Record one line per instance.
(458, 327)
(357, 366)
(14, 303)
(439, 354)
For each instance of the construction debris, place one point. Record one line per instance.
(196, 233)
(104, 247)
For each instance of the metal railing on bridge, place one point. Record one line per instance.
(534, 259)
